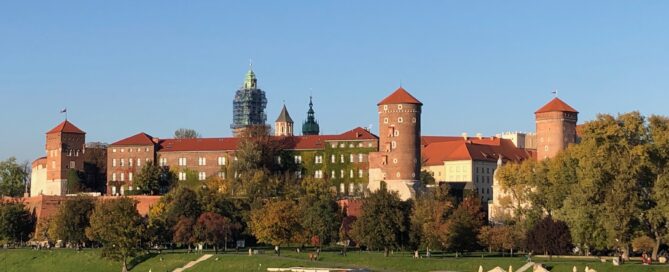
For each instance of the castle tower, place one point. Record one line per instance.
(398, 160)
(310, 126)
(248, 106)
(556, 128)
(64, 151)
(283, 126)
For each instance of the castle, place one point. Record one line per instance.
(352, 161)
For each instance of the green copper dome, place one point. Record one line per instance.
(310, 126)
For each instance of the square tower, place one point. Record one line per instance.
(65, 147)
(556, 128)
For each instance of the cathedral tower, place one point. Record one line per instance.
(398, 160)
(283, 126)
(556, 128)
(248, 106)
(310, 126)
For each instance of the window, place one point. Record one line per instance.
(122, 162)
(400, 119)
(333, 159)
(113, 190)
(393, 144)
(202, 176)
(139, 162)
(122, 149)
(350, 175)
(351, 157)
(182, 176)
(114, 150)
(113, 176)
(332, 174)
(140, 150)
(546, 148)
(399, 107)
(122, 176)
(395, 160)
(341, 158)
(351, 188)
(413, 120)
(221, 160)
(361, 158)
(298, 159)
(130, 161)
(201, 161)
(385, 107)
(341, 173)
(398, 174)
(342, 188)
(360, 173)
(397, 133)
(163, 162)
(385, 120)
(182, 161)
(130, 176)
(298, 174)
(129, 149)
(319, 159)
(318, 174)
(221, 174)
(72, 165)
(114, 163)
(278, 159)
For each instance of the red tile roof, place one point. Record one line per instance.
(66, 127)
(137, 139)
(556, 105)
(400, 96)
(307, 142)
(484, 149)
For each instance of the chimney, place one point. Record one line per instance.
(464, 135)
(479, 135)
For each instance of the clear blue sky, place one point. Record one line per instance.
(121, 67)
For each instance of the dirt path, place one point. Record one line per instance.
(193, 263)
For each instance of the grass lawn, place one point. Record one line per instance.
(89, 260)
(400, 262)
(86, 260)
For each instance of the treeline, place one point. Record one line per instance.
(611, 189)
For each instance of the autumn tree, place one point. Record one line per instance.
(214, 229)
(153, 179)
(277, 222)
(117, 225)
(549, 237)
(429, 217)
(72, 219)
(499, 237)
(463, 225)
(382, 223)
(184, 232)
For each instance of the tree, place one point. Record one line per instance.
(72, 219)
(214, 229)
(184, 232)
(150, 179)
(186, 133)
(320, 218)
(277, 222)
(16, 223)
(499, 238)
(463, 225)
(382, 223)
(643, 244)
(181, 202)
(74, 181)
(429, 217)
(13, 178)
(550, 237)
(117, 225)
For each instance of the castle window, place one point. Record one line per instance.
(202, 176)
(221, 160)
(122, 162)
(77, 153)
(139, 162)
(318, 174)
(332, 174)
(113, 189)
(341, 173)
(113, 150)
(546, 148)
(399, 107)
(351, 158)
(182, 161)
(351, 188)
(298, 174)
(182, 176)
(298, 159)
(202, 161)
(413, 120)
(113, 162)
(122, 150)
(351, 174)
(163, 161)
(122, 176)
(397, 133)
(221, 175)
(341, 158)
(385, 107)
(395, 161)
(393, 144)
(319, 159)
(130, 176)
(129, 149)
(369, 144)
(113, 176)
(360, 173)
(400, 119)
(333, 159)
(342, 187)
(147, 149)
(139, 149)
(361, 158)
(130, 162)
(342, 145)
(398, 174)
(385, 120)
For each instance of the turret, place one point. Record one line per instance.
(283, 126)
(556, 128)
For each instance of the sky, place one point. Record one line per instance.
(123, 67)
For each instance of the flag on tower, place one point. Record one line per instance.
(64, 110)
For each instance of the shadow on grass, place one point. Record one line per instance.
(140, 259)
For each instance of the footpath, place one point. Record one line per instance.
(193, 263)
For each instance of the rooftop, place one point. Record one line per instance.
(400, 96)
(66, 127)
(556, 105)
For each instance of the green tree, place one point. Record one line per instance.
(382, 223)
(320, 217)
(429, 217)
(117, 225)
(150, 178)
(13, 178)
(74, 181)
(181, 202)
(463, 225)
(16, 223)
(72, 219)
(277, 222)
(186, 133)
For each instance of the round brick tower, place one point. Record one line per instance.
(398, 159)
(556, 128)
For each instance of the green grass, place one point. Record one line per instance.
(86, 260)
(89, 260)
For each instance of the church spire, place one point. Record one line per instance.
(310, 126)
